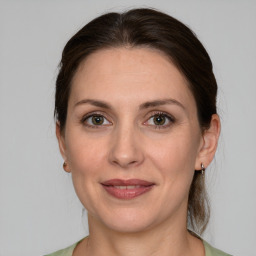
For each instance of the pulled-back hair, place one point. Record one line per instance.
(152, 29)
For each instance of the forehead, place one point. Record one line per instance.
(125, 73)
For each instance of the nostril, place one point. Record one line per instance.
(126, 163)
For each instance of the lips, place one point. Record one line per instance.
(127, 189)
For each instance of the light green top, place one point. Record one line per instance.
(209, 251)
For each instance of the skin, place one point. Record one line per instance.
(129, 145)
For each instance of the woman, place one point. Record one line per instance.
(137, 126)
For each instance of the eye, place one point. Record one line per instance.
(160, 120)
(95, 120)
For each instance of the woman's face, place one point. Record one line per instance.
(132, 139)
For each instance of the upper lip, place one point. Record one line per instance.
(130, 182)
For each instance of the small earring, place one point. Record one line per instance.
(65, 167)
(202, 169)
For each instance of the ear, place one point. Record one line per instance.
(209, 143)
(61, 141)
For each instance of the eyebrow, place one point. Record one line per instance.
(157, 103)
(148, 104)
(97, 103)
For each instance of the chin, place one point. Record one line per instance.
(128, 222)
(129, 226)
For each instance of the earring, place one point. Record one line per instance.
(65, 165)
(202, 169)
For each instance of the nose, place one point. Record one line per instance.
(126, 149)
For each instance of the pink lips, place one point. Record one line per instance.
(127, 189)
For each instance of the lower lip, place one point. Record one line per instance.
(127, 193)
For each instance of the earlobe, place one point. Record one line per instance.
(62, 146)
(61, 141)
(210, 142)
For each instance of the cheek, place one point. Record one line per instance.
(86, 157)
(174, 163)
(174, 159)
(84, 152)
(174, 154)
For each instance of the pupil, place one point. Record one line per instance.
(97, 120)
(159, 120)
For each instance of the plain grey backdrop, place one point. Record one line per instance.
(39, 211)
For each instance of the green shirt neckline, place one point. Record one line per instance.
(209, 250)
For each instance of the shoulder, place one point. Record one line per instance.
(64, 252)
(211, 251)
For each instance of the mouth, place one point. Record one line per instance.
(127, 189)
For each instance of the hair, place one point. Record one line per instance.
(151, 29)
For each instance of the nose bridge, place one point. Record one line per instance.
(125, 149)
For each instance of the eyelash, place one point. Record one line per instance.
(170, 119)
(86, 117)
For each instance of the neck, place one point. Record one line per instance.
(167, 239)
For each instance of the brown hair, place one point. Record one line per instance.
(153, 29)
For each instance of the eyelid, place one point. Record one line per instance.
(155, 113)
(95, 113)
(149, 116)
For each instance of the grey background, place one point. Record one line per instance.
(39, 212)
